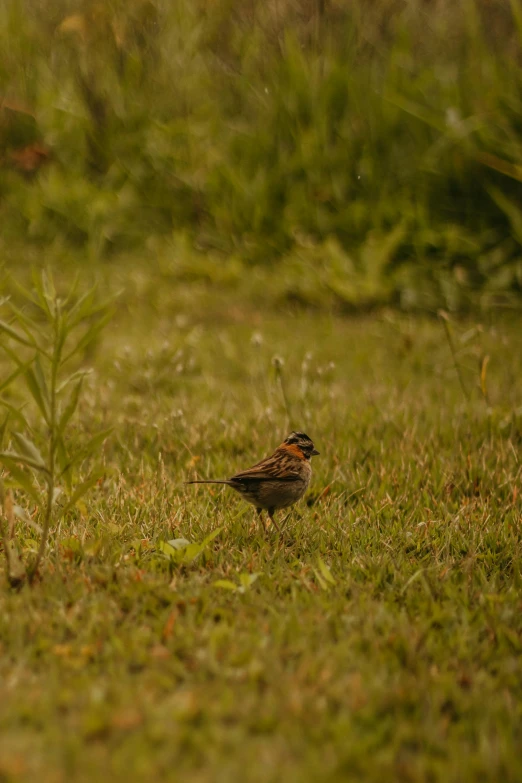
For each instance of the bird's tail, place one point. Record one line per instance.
(208, 481)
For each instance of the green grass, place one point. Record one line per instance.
(381, 137)
(382, 636)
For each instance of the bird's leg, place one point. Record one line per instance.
(261, 520)
(271, 515)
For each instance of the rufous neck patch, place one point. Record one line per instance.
(293, 449)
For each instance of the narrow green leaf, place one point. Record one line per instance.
(183, 552)
(19, 370)
(3, 428)
(73, 288)
(179, 550)
(48, 301)
(7, 457)
(21, 514)
(4, 327)
(92, 332)
(178, 543)
(95, 442)
(29, 325)
(86, 308)
(44, 288)
(71, 405)
(325, 572)
(16, 413)
(21, 478)
(82, 308)
(15, 358)
(74, 377)
(25, 321)
(48, 286)
(190, 553)
(38, 388)
(10, 378)
(26, 293)
(88, 449)
(40, 376)
(419, 573)
(212, 536)
(225, 584)
(321, 582)
(28, 449)
(168, 550)
(431, 118)
(80, 490)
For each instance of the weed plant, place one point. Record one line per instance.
(40, 339)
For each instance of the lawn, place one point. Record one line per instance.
(378, 638)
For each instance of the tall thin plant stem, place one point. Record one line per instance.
(57, 355)
(445, 322)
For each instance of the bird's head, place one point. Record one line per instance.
(303, 442)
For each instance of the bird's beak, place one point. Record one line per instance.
(315, 453)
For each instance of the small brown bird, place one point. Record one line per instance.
(278, 481)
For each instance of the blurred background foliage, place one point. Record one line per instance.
(355, 153)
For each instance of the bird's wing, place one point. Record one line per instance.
(278, 467)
